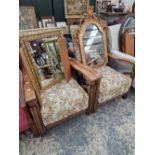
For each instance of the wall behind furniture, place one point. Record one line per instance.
(48, 7)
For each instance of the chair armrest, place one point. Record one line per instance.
(87, 71)
(121, 56)
(30, 96)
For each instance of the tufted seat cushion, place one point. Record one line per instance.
(112, 84)
(62, 100)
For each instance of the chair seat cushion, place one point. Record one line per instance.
(62, 100)
(112, 84)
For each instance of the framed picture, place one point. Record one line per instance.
(76, 9)
(50, 24)
(40, 24)
(27, 18)
(47, 19)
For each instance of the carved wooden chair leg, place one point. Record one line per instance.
(90, 91)
(96, 96)
(32, 124)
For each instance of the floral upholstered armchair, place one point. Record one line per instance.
(122, 62)
(92, 40)
(59, 96)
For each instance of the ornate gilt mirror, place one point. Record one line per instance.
(92, 40)
(42, 57)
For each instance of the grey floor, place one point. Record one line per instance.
(110, 131)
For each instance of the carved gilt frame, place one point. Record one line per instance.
(85, 4)
(103, 29)
(27, 36)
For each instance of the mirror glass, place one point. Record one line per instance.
(46, 59)
(93, 45)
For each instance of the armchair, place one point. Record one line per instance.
(59, 96)
(120, 61)
(92, 39)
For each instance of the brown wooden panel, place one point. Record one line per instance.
(65, 59)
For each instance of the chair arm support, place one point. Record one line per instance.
(122, 57)
(89, 73)
(30, 97)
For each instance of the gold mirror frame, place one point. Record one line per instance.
(27, 36)
(85, 4)
(91, 19)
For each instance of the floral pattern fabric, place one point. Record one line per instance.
(112, 84)
(62, 100)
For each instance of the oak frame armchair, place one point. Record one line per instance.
(95, 55)
(43, 117)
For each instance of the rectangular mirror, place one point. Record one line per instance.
(43, 55)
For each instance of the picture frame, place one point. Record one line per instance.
(48, 20)
(75, 9)
(27, 18)
(50, 24)
(31, 64)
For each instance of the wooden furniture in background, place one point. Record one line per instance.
(73, 21)
(128, 43)
(112, 17)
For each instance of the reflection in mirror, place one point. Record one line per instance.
(46, 58)
(93, 45)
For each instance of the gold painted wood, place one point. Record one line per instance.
(92, 19)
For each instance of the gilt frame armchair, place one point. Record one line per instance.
(67, 94)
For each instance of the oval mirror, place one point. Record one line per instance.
(93, 45)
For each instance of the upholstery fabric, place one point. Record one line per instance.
(113, 34)
(122, 66)
(112, 84)
(113, 47)
(62, 100)
(122, 55)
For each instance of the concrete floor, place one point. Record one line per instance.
(110, 131)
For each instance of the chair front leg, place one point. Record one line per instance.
(38, 119)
